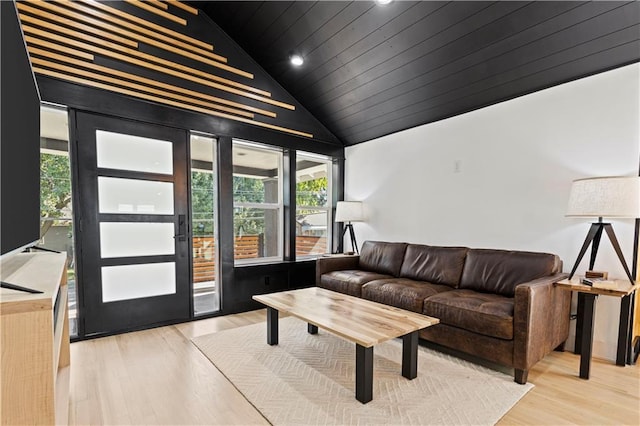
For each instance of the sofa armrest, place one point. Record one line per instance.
(540, 319)
(335, 263)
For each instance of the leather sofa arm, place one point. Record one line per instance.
(335, 263)
(540, 319)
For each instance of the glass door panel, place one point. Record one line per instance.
(129, 239)
(127, 282)
(116, 195)
(128, 152)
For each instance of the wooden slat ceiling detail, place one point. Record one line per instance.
(374, 70)
(78, 41)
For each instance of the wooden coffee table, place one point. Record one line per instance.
(357, 320)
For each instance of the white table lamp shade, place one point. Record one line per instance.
(614, 197)
(349, 211)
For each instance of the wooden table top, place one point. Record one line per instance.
(622, 287)
(358, 320)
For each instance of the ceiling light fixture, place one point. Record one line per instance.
(296, 60)
(383, 2)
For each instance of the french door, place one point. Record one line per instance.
(132, 179)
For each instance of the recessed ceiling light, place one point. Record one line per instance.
(296, 60)
(383, 2)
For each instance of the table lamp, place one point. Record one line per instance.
(349, 211)
(611, 197)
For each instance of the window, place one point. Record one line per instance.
(204, 190)
(313, 204)
(257, 202)
(56, 215)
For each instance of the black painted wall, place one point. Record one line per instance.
(238, 283)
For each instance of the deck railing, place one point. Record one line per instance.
(245, 247)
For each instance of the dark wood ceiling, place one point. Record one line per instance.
(373, 70)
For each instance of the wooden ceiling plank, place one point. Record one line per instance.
(560, 44)
(148, 81)
(54, 46)
(156, 11)
(440, 63)
(158, 4)
(183, 6)
(134, 86)
(98, 42)
(179, 71)
(116, 89)
(440, 24)
(592, 64)
(105, 20)
(148, 24)
(68, 22)
(514, 78)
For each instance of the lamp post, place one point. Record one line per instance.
(349, 211)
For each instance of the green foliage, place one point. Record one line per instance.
(202, 202)
(248, 221)
(55, 185)
(312, 193)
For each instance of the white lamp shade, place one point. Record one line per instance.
(605, 197)
(349, 211)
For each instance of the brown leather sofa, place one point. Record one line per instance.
(495, 304)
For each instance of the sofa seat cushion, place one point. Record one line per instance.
(401, 292)
(348, 282)
(483, 313)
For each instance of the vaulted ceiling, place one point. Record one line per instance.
(372, 70)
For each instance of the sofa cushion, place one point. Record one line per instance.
(483, 313)
(401, 292)
(437, 265)
(500, 271)
(384, 258)
(349, 281)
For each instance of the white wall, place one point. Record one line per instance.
(516, 161)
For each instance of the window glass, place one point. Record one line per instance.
(313, 204)
(56, 212)
(257, 202)
(205, 276)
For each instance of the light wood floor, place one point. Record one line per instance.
(159, 377)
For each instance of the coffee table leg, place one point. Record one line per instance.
(272, 326)
(312, 329)
(410, 355)
(364, 373)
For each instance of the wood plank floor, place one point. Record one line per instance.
(159, 377)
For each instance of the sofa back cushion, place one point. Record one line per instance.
(382, 257)
(437, 265)
(500, 271)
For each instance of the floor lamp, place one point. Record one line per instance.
(349, 211)
(611, 197)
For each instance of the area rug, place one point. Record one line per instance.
(310, 379)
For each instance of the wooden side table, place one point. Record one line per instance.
(587, 296)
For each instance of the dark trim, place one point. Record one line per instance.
(127, 174)
(252, 171)
(101, 101)
(77, 220)
(289, 204)
(137, 260)
(54, 144)
(337, 195)
(225, 218)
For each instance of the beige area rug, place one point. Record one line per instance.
(310, 379)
